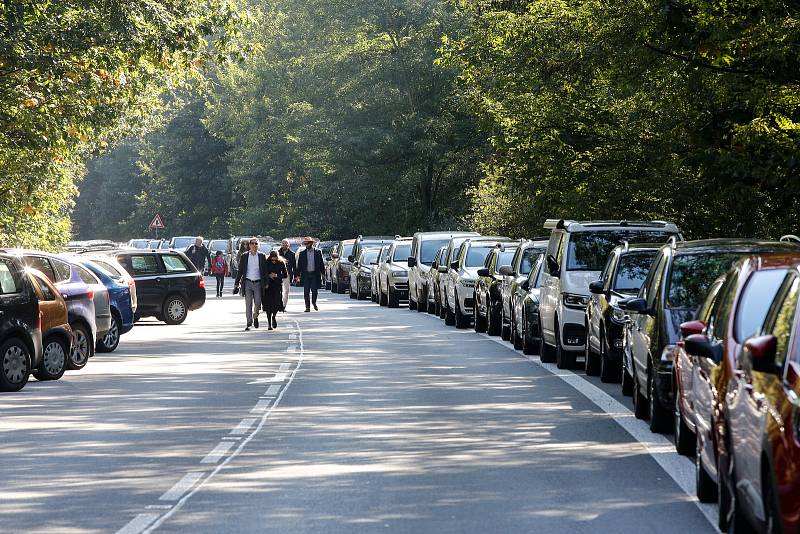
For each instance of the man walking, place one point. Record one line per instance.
(199, 254)
(253, 269)
(291, 266)
(309, 272)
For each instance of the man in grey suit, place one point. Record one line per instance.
(253, 269)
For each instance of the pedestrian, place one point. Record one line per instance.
(253, 273)
(291, 266)
(199, 254)
(309, 272)
(244, 248)
(219, 268)
(277, 272)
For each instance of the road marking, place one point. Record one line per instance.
(158, 507)
(218, 452)
(291, 348)
(272, 390)
(285, 366)
(278, 377)
(161, 519)
(243, 426)
(261, 406)
(182, 486)
(138, 523)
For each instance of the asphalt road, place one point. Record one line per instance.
(355, 418)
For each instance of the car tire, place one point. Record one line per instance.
(340, 289)
(110, 341)
(479, 323)
(660, 418)
(334, 288)
(174, 310)
(15, 365)
(591, 359)
(393, 301)
(443, 307)
(493, 326)
(640, 405)
(432, 309)
(547, 354)
(328, 285)
(412, 305)
(383, 299)
(528, 347)
(353, 293)
(54, 359)
(81, 347)
(626, 380)
(564, 359)
(422, 302)
(516, 338)
(705, 488)
(505, 331)
(462, 320)
(609, 371)
(685, 440)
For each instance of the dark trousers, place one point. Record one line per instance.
(220, 283)
(310, 290)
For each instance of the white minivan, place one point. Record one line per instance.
(576, 254)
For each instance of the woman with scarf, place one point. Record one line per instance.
(272, 299)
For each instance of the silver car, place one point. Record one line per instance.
(374, 286)
(393, 275)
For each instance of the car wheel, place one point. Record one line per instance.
(461, 320)
(564, 359)
(505, 331)
(412, 305)
(685, 440)
(443, 307)
(591, 359)
(54, 359)
(174, 310)
(516, 338)
(479, 323)
(340, 288)
(627, 381)
(393, 301)
(81, 347)
(353, 292)
(422, 301)
(546, 353)
(16, 365)
(527, 343)
(334, 287)
(705, 487)
(660, 420)
(640, 405)
(493, 327)
(110, 341)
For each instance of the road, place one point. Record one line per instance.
(355, 418)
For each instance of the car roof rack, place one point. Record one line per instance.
(790, 238)
(672, 241)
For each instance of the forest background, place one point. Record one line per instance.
(288, 117)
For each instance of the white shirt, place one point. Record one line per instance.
(310, 260)
(253, 270)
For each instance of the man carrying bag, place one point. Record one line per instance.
(253, 269)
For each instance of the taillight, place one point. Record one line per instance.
(108, 298)
(90, 294)
(202, 282)
(40, 317)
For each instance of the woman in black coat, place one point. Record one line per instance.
(272, 299)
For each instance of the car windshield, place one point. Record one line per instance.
(529, 256)
(632, 271)
(181, 243)
(218, 244)
(588, 251)
(346, 251)
(402, 252)
(504, 258)
(369, 257)
(429, 248)
(693, 274)
(476, 256)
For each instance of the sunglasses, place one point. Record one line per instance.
(254, 243)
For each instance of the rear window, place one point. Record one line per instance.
(632, 271)
(182, 243)
(138, 243)
(86, 276)
(346, 251)
(588, 251)
(476, 256)
(175, 264)
(109, 269)
(755, 301)
(63, 270)
(142, 265)
(402, 252)
(693, 274)
(429, 249)
(9, 279)
(219, 244)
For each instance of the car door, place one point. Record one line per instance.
(642, 324)
(148, 272)
(15, 299)
(179, 277)
(550, 290)
(598, 303)
(51, 303)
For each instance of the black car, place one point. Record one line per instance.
(674, 289)
(20, 331)
(622, 277)
(521, 264)
(167, 284)
(488, 306)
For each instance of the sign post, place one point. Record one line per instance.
(156, 224)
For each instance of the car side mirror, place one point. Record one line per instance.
(635, 306)
(484, 272)
(350, 258)
(700, 345)
(691, 328)
(761, 351)
(597, 287)
(506, 270)
(454, 265)
(552, 266)
(412, 262)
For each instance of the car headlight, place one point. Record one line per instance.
(575, 301)
(398, 274)
(467, 283)
(618, 315)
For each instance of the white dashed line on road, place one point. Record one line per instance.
(272, 391)
(218, 452)
(243, 426)
(138, 524)
(261, 406)
(182, 486)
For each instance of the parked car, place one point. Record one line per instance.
(138, 243)
(424, 246)
(56, 332)
(20, 326)
(761, 425)
(521, 264)
(576, 254)
(432, 278)
(102, 301)
(487, 310)
(340, 266)
(676, 285)
(370, 241)
(393, 275)
(361, 273)
(121, 299)
(622, 277)
(182, 242)
(330, 266)
(526, 329)
(374, 273)
(220, 245)
(453, 246)
(79, 297)
(168, 285)
(155, 244)
(462, 276)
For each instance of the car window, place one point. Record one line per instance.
(782, 317)
(143, 265)
(704, 313)
(174, 264)
(44, 287)
(693, 274)
(62, 269)
(529, 258)
(112, 271)
(86, 276)
(717, 323)
(402, 252)
(182, 243)
(647, 287)
(218, 244)
(608, 270)
(42, 264)
(503, 259)
(535, 276)
(755, 301)
(369, 257)
(554, 243)
(9, 280)
(429, 248)
(346, 251)
(632, 271)
(476, 256)
(588, 251)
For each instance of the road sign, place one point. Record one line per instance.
(157, 223)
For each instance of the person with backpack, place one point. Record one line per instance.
(219, 268)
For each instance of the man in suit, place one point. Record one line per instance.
(291, 266)
(309, 272)
(253, 269)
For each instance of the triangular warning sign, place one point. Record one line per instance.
(157, 223)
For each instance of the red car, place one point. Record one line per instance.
(760, 429)
(735, 309)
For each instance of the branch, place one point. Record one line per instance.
(699, 63)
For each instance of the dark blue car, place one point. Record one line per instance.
(119, 294)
